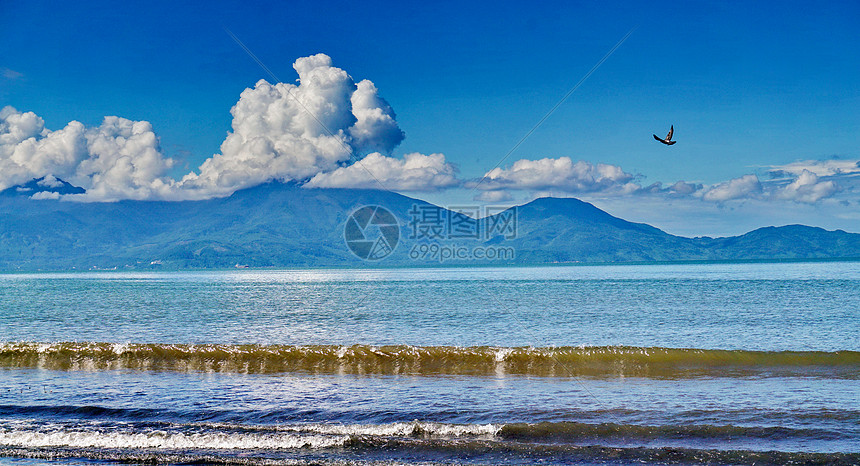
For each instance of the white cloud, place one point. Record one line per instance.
(314, 130)
(495, 196)
(28, 150)
(415, 172)
(736, 188)
(49, 182)
(375, 128)
(43, 195)
(562, 177)
(120, 159)
(281, 131)
(810, 181)
(807, 188)
(16, 126)
(124, 162)
(817, 167)
(560, 174)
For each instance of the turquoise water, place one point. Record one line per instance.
(566, 365)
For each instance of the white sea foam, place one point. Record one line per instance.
(394, 429)
(503, 353)
(266, 437)
(119, 348)
(167, 440)
(402, 429)
(44, 347)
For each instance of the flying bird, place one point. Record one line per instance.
(668, 141)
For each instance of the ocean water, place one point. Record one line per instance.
(655, 364)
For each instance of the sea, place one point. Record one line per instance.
(714, 363)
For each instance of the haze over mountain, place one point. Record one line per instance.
(286, 225)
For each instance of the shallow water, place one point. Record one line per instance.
(727, 363)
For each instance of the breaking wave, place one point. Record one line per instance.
(602, 361)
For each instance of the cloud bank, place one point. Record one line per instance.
(415, 172)
(561, 174)
(119, 159)
(279, 131)
(330, 131)
(830, 167)
(806, 182)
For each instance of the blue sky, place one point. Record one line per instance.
(748, 87)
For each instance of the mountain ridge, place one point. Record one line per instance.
(285, 225)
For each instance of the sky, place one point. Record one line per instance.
(158, 101)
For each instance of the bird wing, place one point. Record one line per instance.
(658, 138)
(671, 130)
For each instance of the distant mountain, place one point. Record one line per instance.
(42, 186)
(786, 242)
(570, 230)
(284, 225)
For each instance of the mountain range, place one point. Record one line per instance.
(285, 225)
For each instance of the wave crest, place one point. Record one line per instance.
(601, 361)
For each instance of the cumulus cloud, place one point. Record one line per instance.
(415, 172)
(279, 132)
(830, 167)
(28, 150)
(315, 131)
(561, 177)
(375, 128)
(810, 181)
(560, 174)
(120, 159)
(124, 162)
(294, 132)
(43, 195)
(494, 196)
(16, 126)
(49, 181)
(807, 188)
(737, 188)
(684, 188)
